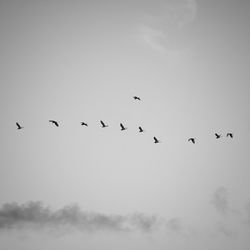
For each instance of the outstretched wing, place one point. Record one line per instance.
(122, 127)
(18, 125)
(217, 136)
(137, 98)
(156, 140)
(54, 122)
(192, 139)
(103, 124)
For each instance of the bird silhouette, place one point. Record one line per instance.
(84, 124)
(217, 136)
(141, 130)
(156, 140)
(137, 98)
(54, 122)
(18, 126)
(103, 124)
(192, 140)
(230, 135)
(122, 127)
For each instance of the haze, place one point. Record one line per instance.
(77, 187)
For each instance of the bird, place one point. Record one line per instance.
(122, 127)
(230, 135)
(84, 124)
(192, 140)
(141, 130)
(103, 124)
(18, 126)
(156, 140)
(137, 98)
(54, 122)
(217, 136)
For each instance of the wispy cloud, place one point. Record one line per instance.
(220, 200)
(153, 38)
(34, 215)
(226, 231)
(185, 11)
(159, 27)
(174, 224)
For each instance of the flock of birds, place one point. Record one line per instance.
(141, 130)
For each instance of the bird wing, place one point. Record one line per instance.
(156, 140)
(103, 124)
(18, 125)
(121, 125)
(54, 122)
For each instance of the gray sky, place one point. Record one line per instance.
(87, 187)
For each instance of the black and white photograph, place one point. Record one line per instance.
(125, 124)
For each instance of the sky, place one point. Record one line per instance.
(75, 187)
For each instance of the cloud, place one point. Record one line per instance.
(34, 215)
(161, 27)
(187, 10)
(174, 224)
(226, 231)
(153, 38)
(220, 200)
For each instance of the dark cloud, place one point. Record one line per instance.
(144, 222)
(220, 200)
(35, 215)
(174, 224)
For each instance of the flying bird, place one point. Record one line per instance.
(217, 136)
(230, 135)
(84, 124)
(156, 140)
(18, 126)
(103, 124)
(192, 140)
(122, 127)
(54, 122)
(141, 130)
(137, 98)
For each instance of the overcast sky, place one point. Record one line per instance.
(76, 187)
